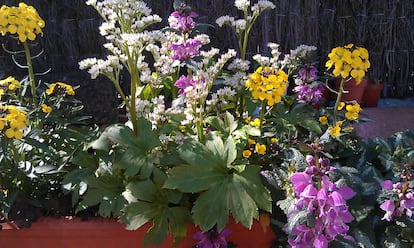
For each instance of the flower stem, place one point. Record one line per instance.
(31, 73)
(338, 97)
(262, 115)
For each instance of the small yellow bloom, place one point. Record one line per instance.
(341, 105)
(14, 132)
(60, 88)
(260, 148)
(353, 111)
(255, 122)
(334, 131)
(247, 153)
(274, 140)
(251, 142)
(323, 120)
(46, 109)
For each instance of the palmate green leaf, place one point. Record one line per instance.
(242, 206)
(136, 214)
(197, 154)
(192, 179)
(252, 184)
(134, 162)
(211, 208)
(143, 190)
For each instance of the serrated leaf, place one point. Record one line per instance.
(138, 213)
(211, 208)
(242, 206)
(197, 154)
(142, 190)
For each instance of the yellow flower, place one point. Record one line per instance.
(335, 131)
(46, 109)
(10, 83)
(14, 132)
(267, 84)
(323, 120)
(255, 122)
(3, 123)
(247, 153)
(353, 111)
(22, 20)
(341, 105)
(274, 140)
(251, 142)
(260, 148)
(60, 88)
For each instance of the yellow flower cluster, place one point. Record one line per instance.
(267, 84)
(46, 108)
(23, 21)
(352, 111)
(349, 61)
(60, 88)
(13, 121)
(7, 84)
(253, 146)
(335, 130)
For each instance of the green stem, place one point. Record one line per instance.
(31, 73)
(338, 97)
(262, 116)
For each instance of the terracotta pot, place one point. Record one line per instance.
(109, 233)
(372, 95)
(354, 91)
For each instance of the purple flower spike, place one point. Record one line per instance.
(183, 22)
(184, 51)
(182, 83)
(309, 74)
(389, 207)
(320, 242)
(212, 239)
(387, 184)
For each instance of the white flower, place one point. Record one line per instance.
(240, 25)
(225, 20)
(239, 65)
(262, 60)
(242, 4)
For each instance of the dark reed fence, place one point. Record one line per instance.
(384, 27)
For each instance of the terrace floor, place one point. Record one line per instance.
(391, 116)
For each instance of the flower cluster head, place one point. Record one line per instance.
(24, 21)
(402, 200)
(12, 121)
(318, 196)
(8, 84)
(60, 89)
(183, 20)
(185, 50)
(212, 238)
(309, 91)
(349, 61)
(254, 147)
(267, 84)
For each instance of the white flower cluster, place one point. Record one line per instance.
(236, 80)
(297, 55)
(261, 6)
(108, 67)
(242, 4)
(239, 65)
(152, 111)
(262, 60)
(220, 98)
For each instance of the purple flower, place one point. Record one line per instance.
(308, 74)
(320, 242)
(387, 184)
(182, 83)
(183, 51)
(212, 239)
(389, 207)
(308, 94)
(300, 181)
(182, 21)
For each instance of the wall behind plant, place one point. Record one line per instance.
(384, 27)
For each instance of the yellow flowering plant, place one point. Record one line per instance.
(39, 129)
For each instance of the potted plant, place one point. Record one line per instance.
(372, 93)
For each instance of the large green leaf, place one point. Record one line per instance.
(242, 206)
(197, 154)
(252, 184)
(137, 214)
(211, 208)
(142, 190)
(195, 178)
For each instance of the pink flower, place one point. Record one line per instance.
(212, 239)
(182, 83)
(389, 207)
(183, 21)
(184, 51)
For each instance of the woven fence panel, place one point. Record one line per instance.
(384, 27)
